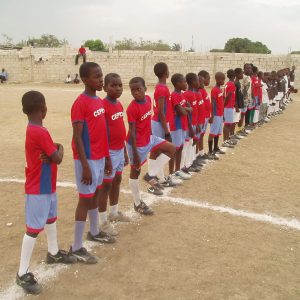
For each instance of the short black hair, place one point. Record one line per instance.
(190, 78)
(138, 80)
(108, 77)
(32, 101)
(176, 78)
(219, 75)
(254, 69)
(238, 71)
(160, 69)
(203, 74)
(230, 73)
(85, 68)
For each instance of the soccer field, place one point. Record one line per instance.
(231, 232)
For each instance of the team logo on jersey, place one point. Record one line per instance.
(200, 102)
(117, 115)
(220, 94)
(146, 115)
(182, 102)
(194, 103)
(99, 112)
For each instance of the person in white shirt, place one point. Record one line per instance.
(3, 76)
(68, 79)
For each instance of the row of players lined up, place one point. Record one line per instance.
(101, 148)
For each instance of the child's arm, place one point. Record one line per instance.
(136, 157)
(86, 171)
(162, 117)
(181, 110)
(57, 156)
(126, 157)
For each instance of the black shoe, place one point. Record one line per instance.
(84, 256)
(62, 257)
(194, 168)
(153, 181)
(219, 151)
(29, 283)
(143, 209)
(154, 190)
(101, 237)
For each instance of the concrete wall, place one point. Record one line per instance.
(23, 65)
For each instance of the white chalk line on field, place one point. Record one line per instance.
(45, 273)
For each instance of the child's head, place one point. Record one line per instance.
(266, 77)
(230, 74)
(161, 70)
(33, 102)
(138, 88)
(254, 70)
(247, 69)
(192, 80)
(260, 75)
(113, 85)
(206, 77)
(220, 78)
(239, 73)
(178, 82)
(91, 75)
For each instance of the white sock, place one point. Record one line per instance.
(114, 209)
(161, 160)
(161, 175)
(135, 189)
(183, 155)
(51, 233)
(26, 252)
(188, 156)
(102, 217)
(151, 167)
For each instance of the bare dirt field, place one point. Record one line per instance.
(215, 237)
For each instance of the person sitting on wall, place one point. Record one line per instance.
(81, 52)
(76, 79)
(3, 76)
(68, 79)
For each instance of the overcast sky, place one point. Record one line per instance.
(210, 22)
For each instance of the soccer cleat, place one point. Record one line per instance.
(219, 151)
(267, 119)
(213, 156)
(228, 145)
(175, 179)
(120, 217)
(153, 181)
(183, 175)
(232, 142)
(235, 137)
(84, 256)
(62, 257)
(101, 237)
(108, 229)
(29, 283)
(143, 209)
(155, 191)
(194, 168)
(167, 182)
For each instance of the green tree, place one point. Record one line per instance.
(130, 44)
(244, 45)
(295, 52)
(46, 40)
(95, 45)
(216, 50)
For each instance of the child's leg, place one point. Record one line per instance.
(216, 143)
(114, 195)
(178, 155)
(226, 131)
(102, 201)
(210, 143)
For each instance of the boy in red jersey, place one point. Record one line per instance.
(42, 157)
(256, 85)
(140, 142)
(179, 125)
(161, 118)
(116, 141)
(204, 79)
(91, 159)
(229, 104)
(216, 120)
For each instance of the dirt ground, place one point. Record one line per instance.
(181, 252)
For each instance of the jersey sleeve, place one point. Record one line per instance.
(131, 114)
(47, 143)
(77, 112)
(175, 100)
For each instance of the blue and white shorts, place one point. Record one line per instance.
(204, 126)
(40, 209)
(236, 116)
(157, 129)
(97, 170)
(216, 128)
(178, 137)
(117, 161)
(155, 142)
(228, 115)
(243, 110)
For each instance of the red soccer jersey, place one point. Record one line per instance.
(207, 104)
(82, 50)
(190, 97)
(178, 121)
(230, 88)
(116, 131)
(139, 112)
(90, 111)
(162, 90)
(255, 85)
(217, 101)
(40, 177)
(201, 107)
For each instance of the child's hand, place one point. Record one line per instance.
(108, 166)
(44, 158)
(86, 175)
(136, 162)
(211, 119)
(126, 162)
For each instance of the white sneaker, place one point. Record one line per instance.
(109, 229)
(267, 119)
(175, 179)
(183, 175)
(120, 217)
